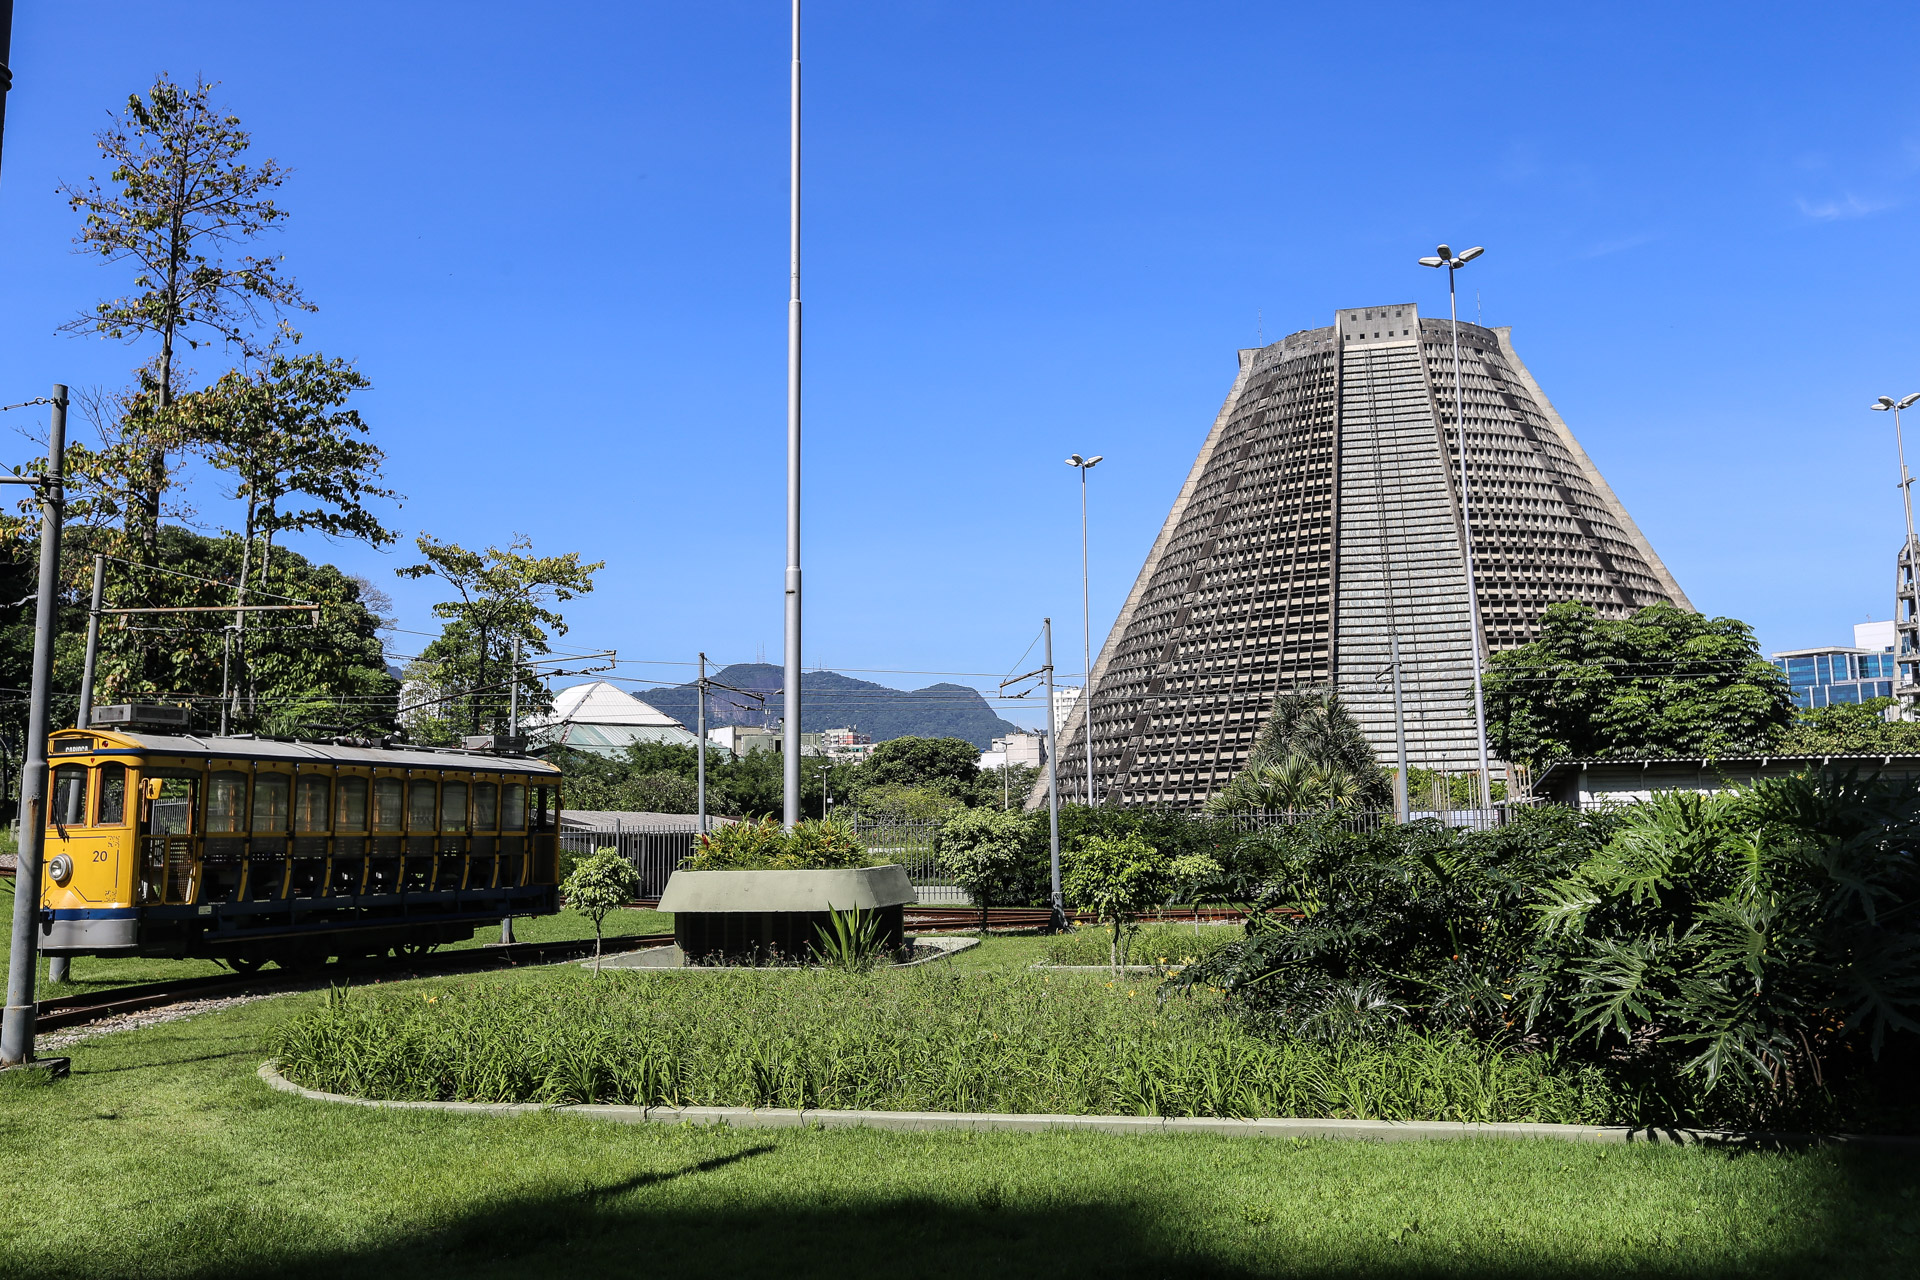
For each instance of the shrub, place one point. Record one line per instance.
(1765, 938)
(1371, 933)
(989, 853)
(601, 882)
(1116, 879)
(812, 845)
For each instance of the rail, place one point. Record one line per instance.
(91, 1006)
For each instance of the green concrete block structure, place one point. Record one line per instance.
(774, 915)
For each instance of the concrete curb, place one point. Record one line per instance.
(999, 1122)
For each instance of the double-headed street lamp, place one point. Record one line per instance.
(1084, 465)
(1452, 262)
(1910, 561)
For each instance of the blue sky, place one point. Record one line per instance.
(555, 238)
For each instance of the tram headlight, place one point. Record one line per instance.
(60, 869)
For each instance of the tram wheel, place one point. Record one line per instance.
(411, 950)
(244, 964)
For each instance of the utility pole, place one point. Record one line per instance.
(1084, 465)
(60, 968)
(6, 59)
(1400, 806)
(790, 681)
(85, 715)
(513, 732)
(1906, 598)
(700, 748)
(1058, 922)
(16, 1027)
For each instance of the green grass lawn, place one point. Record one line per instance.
(92, 973)
(164, 1156)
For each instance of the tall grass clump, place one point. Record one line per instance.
(913, 1040)
(1171, 945)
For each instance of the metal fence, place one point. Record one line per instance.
(657, 852)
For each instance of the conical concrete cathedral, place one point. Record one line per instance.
(1323, 512)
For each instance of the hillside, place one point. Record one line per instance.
(830, 700)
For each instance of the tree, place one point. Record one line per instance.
(1311, 755)
(920, 777)
(1857, 726)
(502, 595)
(600, 883)
(1663, 682)
(179, 199)
(282, 432)
(1116, 878)
(331, 674)
(986, 851)
(918, 761)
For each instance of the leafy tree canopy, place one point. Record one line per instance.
(1663, 682)
(1861, 726)
(949, 763)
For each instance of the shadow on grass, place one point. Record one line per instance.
(643, 1226)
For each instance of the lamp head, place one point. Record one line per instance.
(1882, 402)
(1433, 262)
(1444, 252)
(1095, 459)
(1907, 402)
(1472, 253)
(1073, 460)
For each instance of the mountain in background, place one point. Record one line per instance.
(829, 700)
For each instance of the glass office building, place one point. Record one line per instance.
(1829, 677)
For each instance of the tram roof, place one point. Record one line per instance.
(209, 745)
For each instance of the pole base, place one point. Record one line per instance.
(53, 1068)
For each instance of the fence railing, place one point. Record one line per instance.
(655, 853)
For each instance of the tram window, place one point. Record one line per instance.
(420, 805)
(486, 806)
(270, 802)
(226, 800)
(351, 814)
(113, 796)
(453, 806)
(542, 816)
(310, 796)
(389, 804)
(170, 806)
(513, 807)
(69, 796)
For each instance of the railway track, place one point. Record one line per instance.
(76, 1010)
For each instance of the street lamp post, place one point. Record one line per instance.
(1909, 601)
(1084, 465)
(1446, 258)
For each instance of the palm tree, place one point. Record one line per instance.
(1311, 755)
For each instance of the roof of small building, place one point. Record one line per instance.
(599, 702)
(611, 820)
(1705, 762)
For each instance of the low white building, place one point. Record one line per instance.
(600, 718)
(1020, 749)
(743, 738)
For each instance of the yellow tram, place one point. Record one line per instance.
(250, 849)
